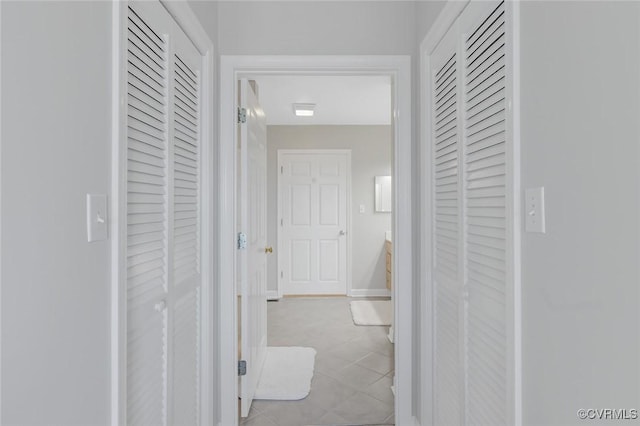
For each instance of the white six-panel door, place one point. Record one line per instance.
(163, 219)
(312, 228)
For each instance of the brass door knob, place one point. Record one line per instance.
(268, 249)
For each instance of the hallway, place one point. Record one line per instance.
(353, 369)
(517, 165)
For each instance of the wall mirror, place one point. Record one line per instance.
(383, 194)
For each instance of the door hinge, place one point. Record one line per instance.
(281, 274)
(242, 115)
(242, 240)
(281, 169)
(281, 222)
(242, 367)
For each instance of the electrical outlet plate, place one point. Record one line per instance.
(534, 210)
(97, 217)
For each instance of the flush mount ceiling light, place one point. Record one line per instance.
(303, 110)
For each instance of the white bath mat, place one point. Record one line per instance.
(371, 312)
(286, 374)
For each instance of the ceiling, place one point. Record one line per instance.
(340, 100)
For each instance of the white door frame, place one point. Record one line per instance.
(347, 153)
(445, 20)
(187, 20)
(0, 215)
(399, 69)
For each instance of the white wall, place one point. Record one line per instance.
(207, 12)
(580, 140)
(371, 153)
(316, 27)
(56, 99)
(426, 14)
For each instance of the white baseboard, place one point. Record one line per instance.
(370, 292)
(272, 295)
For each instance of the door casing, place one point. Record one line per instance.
(398, 68)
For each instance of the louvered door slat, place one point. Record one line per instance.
(485, 86)
(186, 379)
(145, 142)
(488, 41)
(146, 237)
(489, 287)
(185, 92)
(145, 401)
(186, 111)
(486, 241)
(183, 144)
(145, 104)
(186, 130)
(186, 81)
(148, 99)
(186, 187)
(479, 154)
(141, 49)
(486, 219)
(186, 104)
(149, 69)
(139, 41)
(184, 119)
(137, 86)
(494, 113)
(488, 64)
(186, 160)
(147, 218)
(147, 81)
(446, 177)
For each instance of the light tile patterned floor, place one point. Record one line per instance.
(353, 370)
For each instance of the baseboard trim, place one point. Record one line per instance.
(370, 292)
(273, 295)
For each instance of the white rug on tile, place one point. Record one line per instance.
(371, 312)
(287, 373)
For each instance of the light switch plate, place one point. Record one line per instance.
(97, 217)
(534, 210)
(361, 208)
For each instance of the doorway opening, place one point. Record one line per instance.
(396, 70)
(329, 220)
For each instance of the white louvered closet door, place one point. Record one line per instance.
(486, 215)
(185, 229)
(447, 274)
(162, 223)
(473, 226)
(147, 213)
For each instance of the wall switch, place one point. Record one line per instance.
(361, 208)
(534, 210)
(96, 217)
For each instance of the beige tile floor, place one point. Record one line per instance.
(353, 369)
